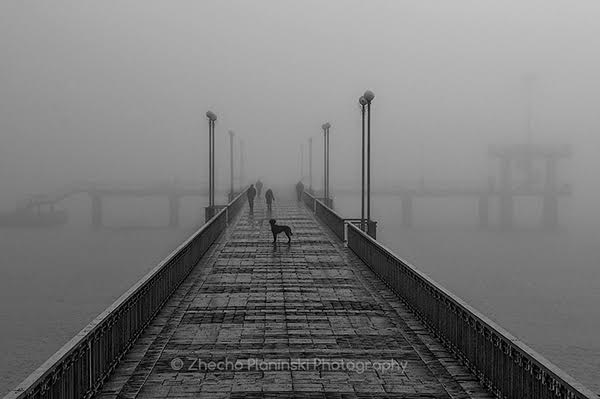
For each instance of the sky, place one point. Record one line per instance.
(112, 90)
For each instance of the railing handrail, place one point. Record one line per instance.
(309, 195)
(511, 340)
(50, 365)
(242, 193)
(334, 213)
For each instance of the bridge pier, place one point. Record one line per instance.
(484, 211)
(407, 210)
(174, 205)
(96, 210)
(506, 198)
(550, 198)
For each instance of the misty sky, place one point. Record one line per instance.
(118, 90)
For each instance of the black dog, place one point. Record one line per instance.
(275, 229)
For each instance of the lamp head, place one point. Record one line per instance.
(362, 101)
(211, 115)
(369, 96)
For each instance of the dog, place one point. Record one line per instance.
(276, 229)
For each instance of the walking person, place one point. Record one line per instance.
(259, 186)
(269, 197)
(299, 190)
(251, 193)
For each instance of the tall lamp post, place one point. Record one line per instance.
(231, 134)
(310, 180)
(301, 161)
(368, 96)
(325, 128)
(363, 103)
(212, 117)
(242, 157)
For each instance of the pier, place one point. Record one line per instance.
(99, 192)
(229, 314)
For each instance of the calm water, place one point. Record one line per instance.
(543, 287)
(54, 281)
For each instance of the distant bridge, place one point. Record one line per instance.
(483, 194)
(174, 191)
(537, 167)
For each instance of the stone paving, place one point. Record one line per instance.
(306, 320)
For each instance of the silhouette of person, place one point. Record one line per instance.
(270, 198)
(259, 186)
(299, 190)
(251, 194)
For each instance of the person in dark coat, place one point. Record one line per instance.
(299, 190)
(269, 197)
(259, 186)
(251, 193)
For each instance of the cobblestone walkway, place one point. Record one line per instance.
(304, 320)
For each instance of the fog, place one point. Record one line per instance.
(94, 91)
(118, 91)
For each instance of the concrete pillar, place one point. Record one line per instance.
(506, 197)
(407, 210)
(96, 210)
(550, 198)
(484, 211)
(174, 204)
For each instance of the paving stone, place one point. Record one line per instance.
(305, 320)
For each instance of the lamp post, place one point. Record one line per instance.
(212, 117)
(231, 134)
(328, 125)
(368, 96)
(325, 128)
(363, 102)
(242, 155)
(301, 161)
(324, 161)
(310, 188)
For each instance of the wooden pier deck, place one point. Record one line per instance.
(305, 320)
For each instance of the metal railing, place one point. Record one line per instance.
(331, 218)
(81, 366)
(309, 200)
(370, 226)
(503, 364)
(234, 206)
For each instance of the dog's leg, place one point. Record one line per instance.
(274, 238)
